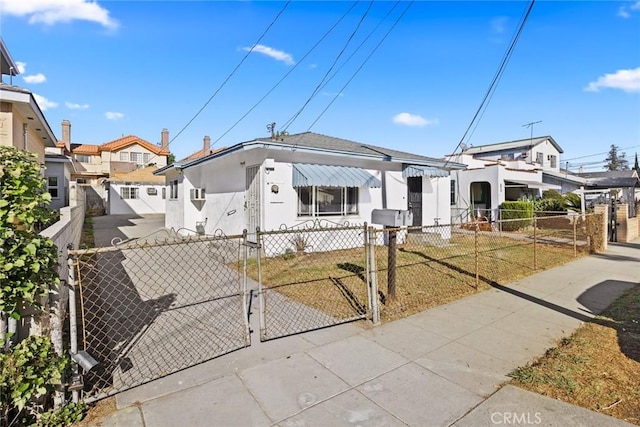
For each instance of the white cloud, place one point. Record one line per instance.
(408, 119)
(276, 54)
(625, 11)
(626, 80)
(331, 94)
(498, 24)
(35, 78)
(44, 103)
(112, 115)
(72, 106)
(50, 12)
(22, 66)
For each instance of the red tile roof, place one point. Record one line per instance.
(126, 141)
(86, 149)
(201, 153)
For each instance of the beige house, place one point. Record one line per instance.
(95, 163)
(22, 123)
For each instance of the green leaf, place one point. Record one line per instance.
(31, 249)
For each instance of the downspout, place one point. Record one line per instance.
(384, 189)
(25, 133)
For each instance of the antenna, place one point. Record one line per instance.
(530, 126)
(271, 127)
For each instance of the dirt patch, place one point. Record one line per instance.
(598, 367)
(98, 412)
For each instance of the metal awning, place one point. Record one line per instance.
(530, 184)
(307, 175)
(431, 172)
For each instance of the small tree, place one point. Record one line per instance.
(616, 160)
(636, 166)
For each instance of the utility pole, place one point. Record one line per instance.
(530, 126)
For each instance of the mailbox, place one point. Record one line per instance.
(392, 217)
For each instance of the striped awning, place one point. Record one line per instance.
(431, 172)
(307, 175)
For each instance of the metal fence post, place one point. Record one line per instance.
(477, 255)
(575, 237)
(261, 298)
(73, 327)
(535, 241)
(373, 274)
(244, 291)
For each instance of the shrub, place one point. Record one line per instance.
(516, 210)
(552, 205)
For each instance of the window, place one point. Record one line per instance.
(554, 161)
(539, 158)
(322, 201)
(81, 180)
(129, 193)
(135, 157)
(146, 157)
(152, 191)
(173, 190)
(52, 186)
(164, 192)
(453, 192)
(124, 156)
(83, 158)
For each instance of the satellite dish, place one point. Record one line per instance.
(463, 146)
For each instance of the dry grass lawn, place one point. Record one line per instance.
(598, 367)
(428, 273)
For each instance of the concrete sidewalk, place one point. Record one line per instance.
(441, 367)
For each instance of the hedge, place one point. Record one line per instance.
(516, 210)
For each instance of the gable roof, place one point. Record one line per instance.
(126, 141)
(318, 143)
(201, 153)
(519, 144)
(628, 173)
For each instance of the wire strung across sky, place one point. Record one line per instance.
(496, 77)
(226, 80)
(363, 63)
(324, 78)
(326, 34)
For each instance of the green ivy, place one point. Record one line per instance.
(28, 371)
(28, 262)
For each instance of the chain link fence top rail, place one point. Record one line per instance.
(149, 309)
(311, 278)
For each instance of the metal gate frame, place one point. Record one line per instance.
(194, 325)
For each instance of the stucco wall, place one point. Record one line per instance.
(145, 204)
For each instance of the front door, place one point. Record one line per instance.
(414, 186)
(252, 201)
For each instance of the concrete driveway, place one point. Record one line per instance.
(110, 229)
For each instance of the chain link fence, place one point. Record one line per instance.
(311, 276)
(147, 309)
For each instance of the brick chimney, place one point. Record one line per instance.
(66, 135)
(206, 146)
(164, 140)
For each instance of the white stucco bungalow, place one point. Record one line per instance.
(136, 192)
(506, 171)
(272, 182)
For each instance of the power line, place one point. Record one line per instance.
(362, 65)
(497, 76)
(326, 34)
(599, 154)
(316, 90)
(230, 74)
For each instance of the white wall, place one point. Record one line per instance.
(59, 170)
(145, 204)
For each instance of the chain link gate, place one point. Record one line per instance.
(148, 309)
(312, 276)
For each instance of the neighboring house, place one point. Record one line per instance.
(268, 183)
(136, 192)
(507, 171)
(623, 186)
(59, 169)
(95, 163)
(22, 123)
(204, 151)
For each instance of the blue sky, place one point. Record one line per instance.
(116, 68)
